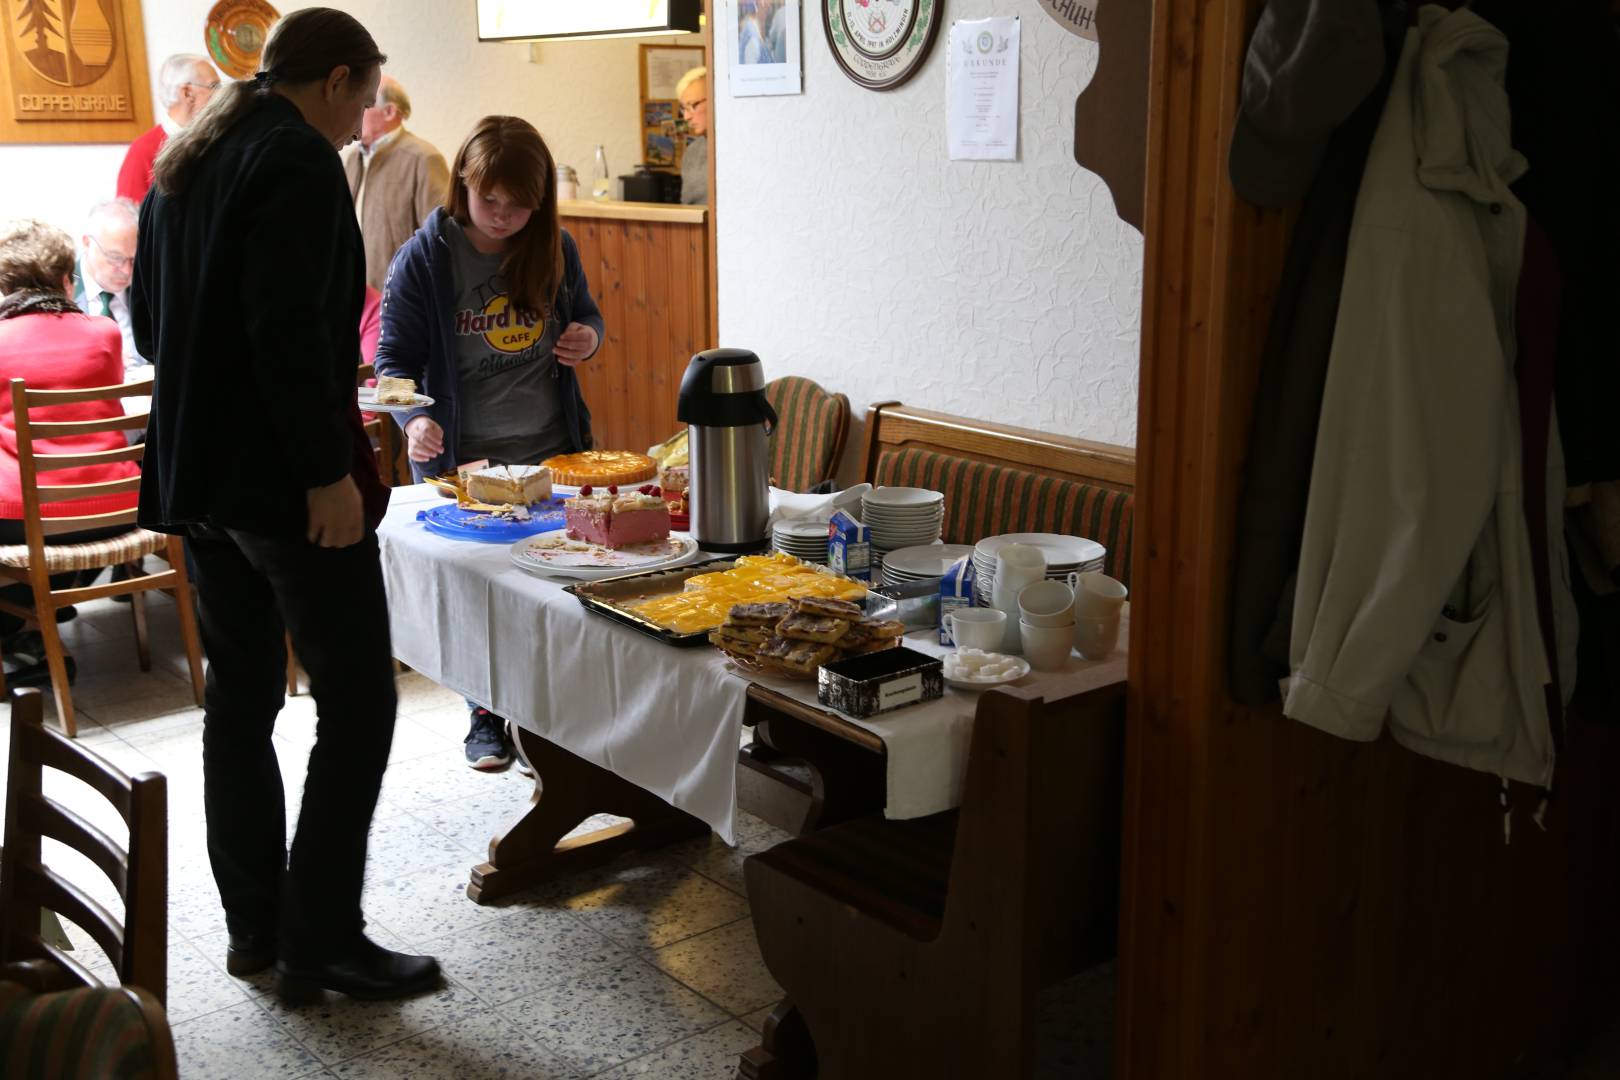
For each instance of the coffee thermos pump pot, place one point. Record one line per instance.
(723, 403)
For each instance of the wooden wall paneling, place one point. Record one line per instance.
(637, 337)
(711, 269)
(612, 236)
(660, 302)
(1296, 905)
(682, 315)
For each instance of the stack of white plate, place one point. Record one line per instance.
(1064, 555)
(806, 540)
(929, 562)
(902, 517)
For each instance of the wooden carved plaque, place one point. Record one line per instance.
(73, 71)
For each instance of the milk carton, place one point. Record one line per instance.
(849, 547)
(955, 593)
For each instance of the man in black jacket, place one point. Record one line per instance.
(247, 299)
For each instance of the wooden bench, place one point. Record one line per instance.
(915, 948)
(996, 479)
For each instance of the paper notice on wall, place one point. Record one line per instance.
(982, 90)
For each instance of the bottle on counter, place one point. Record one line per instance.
(601, 181)
(567, 183)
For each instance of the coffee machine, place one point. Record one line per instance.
(722, 401)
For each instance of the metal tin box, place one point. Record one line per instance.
(877, 682)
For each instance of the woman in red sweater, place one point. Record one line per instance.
(46, 340)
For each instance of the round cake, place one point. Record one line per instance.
(602, 467)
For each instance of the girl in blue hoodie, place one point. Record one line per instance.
(487, 310)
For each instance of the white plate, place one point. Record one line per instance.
(1060, 550)
(925, 561)
(368, 402)
(553, 553)
(903, 497)
(1020, 671)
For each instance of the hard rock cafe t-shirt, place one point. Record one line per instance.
(508, 405)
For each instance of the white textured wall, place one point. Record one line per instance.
(852, 251)
(580, 94)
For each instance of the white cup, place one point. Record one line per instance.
(976, 627)
(1098, 596)
(1046, 647)
(1047, 603)
(1096, 638)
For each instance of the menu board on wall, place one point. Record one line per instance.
(663, 135)
(73, 71)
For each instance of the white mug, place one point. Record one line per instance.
(1046, 647)
(1096, 638)
(1098, 596)
(1047, 603)
(976, 627)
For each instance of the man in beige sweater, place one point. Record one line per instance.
(395, 177)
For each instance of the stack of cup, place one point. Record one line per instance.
(1046, 624)
(1097, 602)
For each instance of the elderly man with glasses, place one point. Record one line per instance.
(185, 84)
(693, 91)
(101, 279)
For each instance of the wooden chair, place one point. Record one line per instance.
(915, 948)
(34, 562)
(811, 428)
(57, 986)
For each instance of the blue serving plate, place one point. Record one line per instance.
(486, 528)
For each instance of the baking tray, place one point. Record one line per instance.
(604, 596)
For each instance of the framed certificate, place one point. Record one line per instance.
(880, 43)
(662, 129)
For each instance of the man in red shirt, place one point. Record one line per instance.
(185, 83)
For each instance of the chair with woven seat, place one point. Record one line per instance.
(57, 1018)
(32, 563)
(811, 428)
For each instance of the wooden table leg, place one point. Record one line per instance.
(785, 1051)
(568, 790)
(846, 781)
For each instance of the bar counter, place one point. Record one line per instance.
(648, 268)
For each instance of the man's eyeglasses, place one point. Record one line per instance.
(688, 108)
(205, 85)
(119, 261)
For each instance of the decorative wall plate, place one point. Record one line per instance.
(235, 33)
(880, 43)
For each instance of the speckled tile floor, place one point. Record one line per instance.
(645, 968)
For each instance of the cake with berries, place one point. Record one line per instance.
(676, 481)
(600, 468)
(616, 519)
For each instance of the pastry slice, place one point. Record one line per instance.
(883, 628)
(814, 628)
(392, 391)
(826, 607)
(766, 614)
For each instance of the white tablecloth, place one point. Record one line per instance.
(667, 719)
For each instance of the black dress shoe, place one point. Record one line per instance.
(369, 973)
(249, 954)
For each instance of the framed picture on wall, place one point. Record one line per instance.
(763, 42)
(663, 135)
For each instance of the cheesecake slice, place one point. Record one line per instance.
(392, 391)
(616, 520)
(516, 485)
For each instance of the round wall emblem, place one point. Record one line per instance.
(235, 33)
(69, 44)
(880, 43)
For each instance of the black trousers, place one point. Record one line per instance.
(332, 602)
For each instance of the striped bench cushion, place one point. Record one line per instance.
(894, 871)
(113, 552)
(804, 446)
(983, 500)
(81, 1034)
